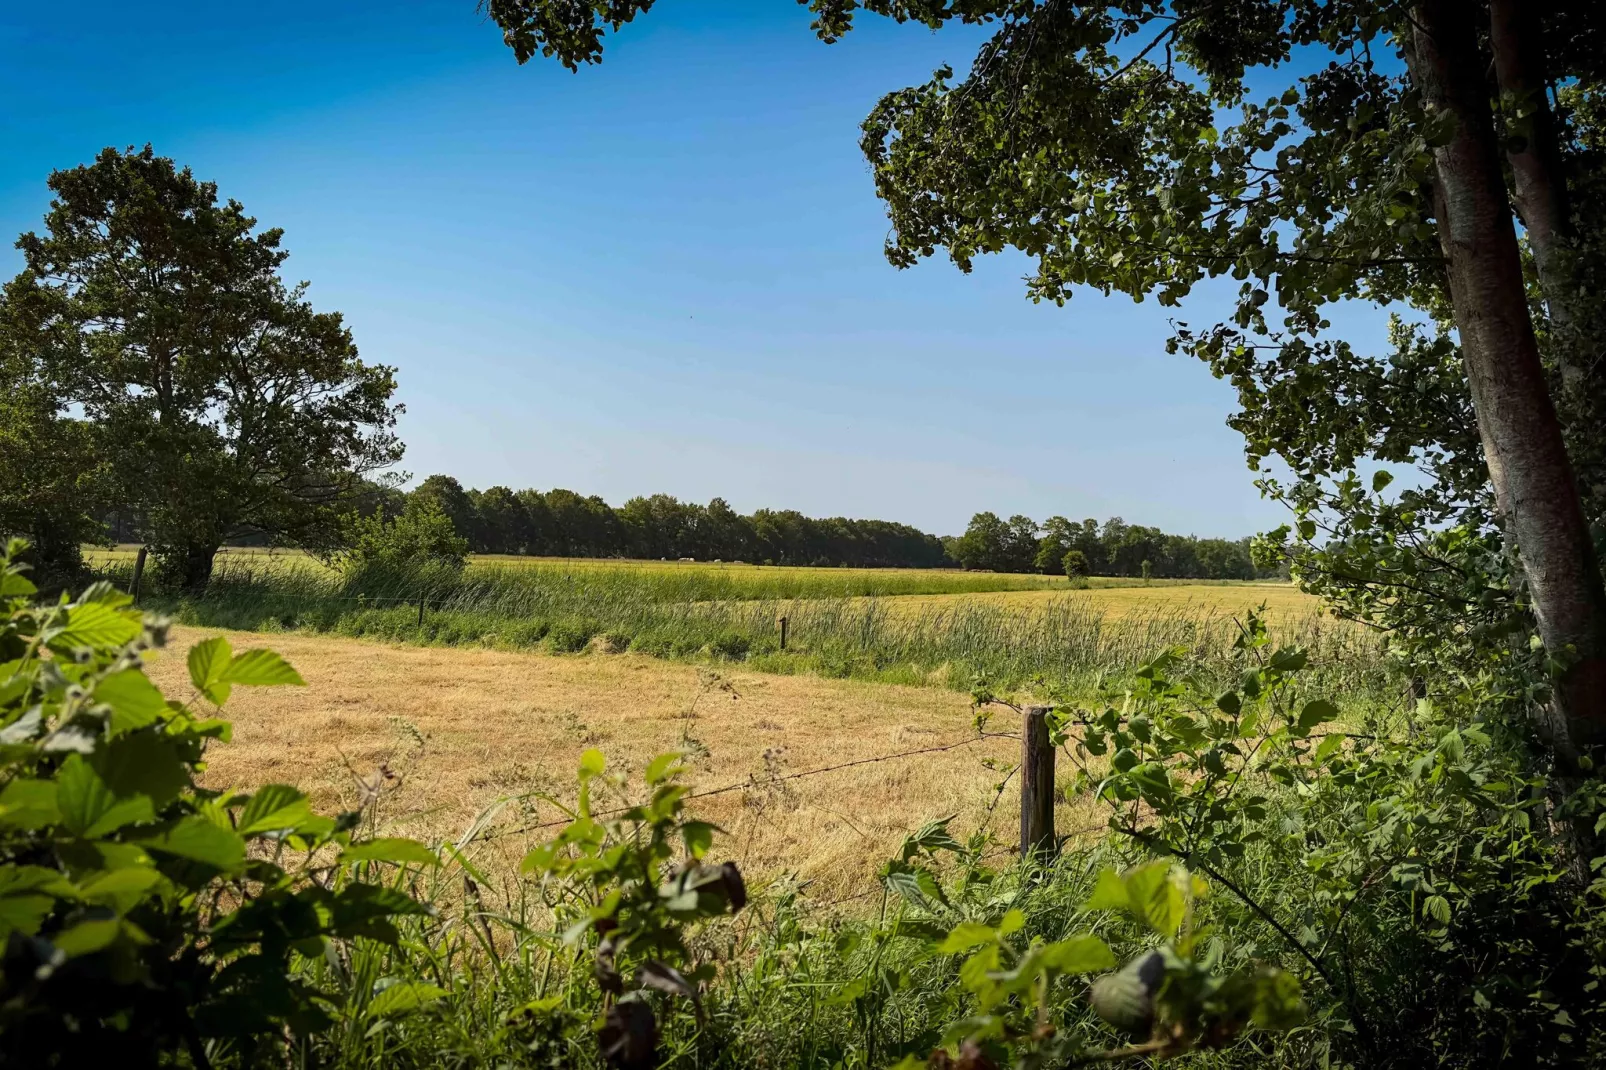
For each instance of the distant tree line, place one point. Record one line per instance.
(1115, 548)
(564, 523)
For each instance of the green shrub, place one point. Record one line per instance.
(143, 915)
(526, 632)
(570, 637)
(653, 642)
(422, 535)
(729, 644)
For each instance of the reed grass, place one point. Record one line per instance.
(835, 629)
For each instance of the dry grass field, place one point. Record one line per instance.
(463, 731)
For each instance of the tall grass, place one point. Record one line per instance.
(834, 630)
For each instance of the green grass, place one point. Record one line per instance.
(838, 626)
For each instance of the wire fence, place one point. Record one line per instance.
(761, 782)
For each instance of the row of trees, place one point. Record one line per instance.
(1116, 548)
(563, 523)
(567, 524)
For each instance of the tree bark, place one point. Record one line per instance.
(195, 567)
(1538, 180)
(1522, 440)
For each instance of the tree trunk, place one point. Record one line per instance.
(1538, 180)
(1522, 441)
(195, 567)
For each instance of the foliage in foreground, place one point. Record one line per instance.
(140, 912)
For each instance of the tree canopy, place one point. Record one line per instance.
(151, 328)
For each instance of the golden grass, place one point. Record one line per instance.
(1283, 601)
(466, 730)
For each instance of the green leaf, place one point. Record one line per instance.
(144, 763)
(29, 804)
(15, 880)
(1381, 479)
(1328, 747)
(1315, 712)
(24, 913)
(117, 884)
(663, 767)
(1289, 659)
(1438, 908)
(87, 937)
(592, 763)
(396, 849)
(1109, 893)
(200, 840)
(13, 585)
(1013, 921)
(260, 668)
(1154, 898)
(98, 626)
(698, 837)
(404, 997)
(916, 884)
(89, 807)
(208, 660)
(135, 702)
(964, 936)
(274, 807)
(1083, 953)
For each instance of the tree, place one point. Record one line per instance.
(1020, 545)
(422, 535)
(446, 494)
(1075, 564)
(1051, 547)
(50, 478)
(220, 403)
(1118, 145)
(504, 526)
(985, 543)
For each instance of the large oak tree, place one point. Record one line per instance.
(1120, 145)
(219, 402)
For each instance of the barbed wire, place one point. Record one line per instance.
(755, 782)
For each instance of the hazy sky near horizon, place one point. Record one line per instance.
(660, 274)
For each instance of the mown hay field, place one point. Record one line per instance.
(449, 735)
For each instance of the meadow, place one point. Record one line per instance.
(953, 629)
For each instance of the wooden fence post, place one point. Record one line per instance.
(783, 633)
(420, 611)
(139, 574)
(1036, 784)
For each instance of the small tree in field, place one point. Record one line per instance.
(1075, 565)
(422, 535)
(1147, 569)
(220, 403)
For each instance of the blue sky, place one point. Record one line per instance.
(661, 274)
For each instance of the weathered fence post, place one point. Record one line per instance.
(1036, 784)
(139, 574)
(420, 611)
(783, 633)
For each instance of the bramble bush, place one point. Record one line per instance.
(141, 913)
